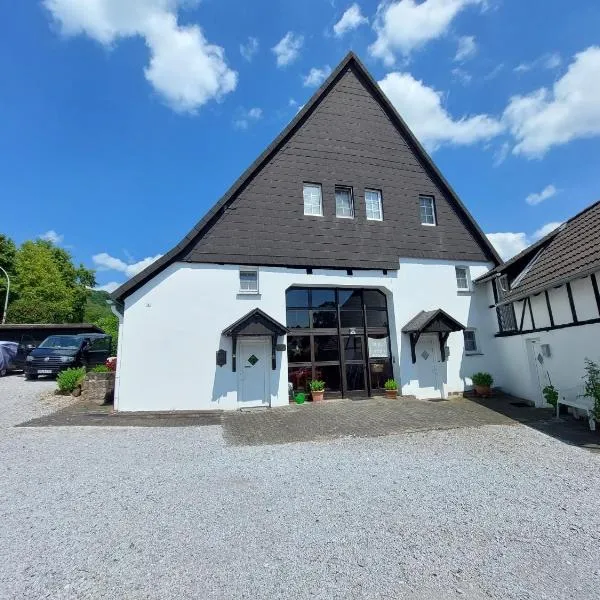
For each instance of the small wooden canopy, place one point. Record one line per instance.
(256, 323)
(431, 321)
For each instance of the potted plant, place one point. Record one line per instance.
(550, 393)
(317, 389)
(391, 389)
(483, 384)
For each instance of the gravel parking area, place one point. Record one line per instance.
(20, 399)
(496, 511)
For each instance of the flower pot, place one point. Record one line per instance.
(391, 394)
(483, 390)
(317, 396)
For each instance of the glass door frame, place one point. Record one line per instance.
(342, 332)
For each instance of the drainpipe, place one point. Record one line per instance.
(6, 297)
(118, 309)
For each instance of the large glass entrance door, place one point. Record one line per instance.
(340, 336)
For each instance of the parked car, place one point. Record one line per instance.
(8, 356)
(59, 352)
(30, 335)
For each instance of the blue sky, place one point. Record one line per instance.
(122, 123)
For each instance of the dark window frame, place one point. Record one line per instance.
(364, 331)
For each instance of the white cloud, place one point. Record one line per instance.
(494, 72)
(316, 76)
(184, 68)
(106, 262)
(247, 116)
(109, 287)
(569, 111)
(350, 20)
(52, 236)
(288, 48)
(249, 49)
(539, 197)
(547, 61)
(406, 25)
(546, 229)
(421, 107)
(463, 76)
(509, 244)
(501, 154)
(467, 48)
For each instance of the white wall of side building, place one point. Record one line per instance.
(172, 329)
(568, 346)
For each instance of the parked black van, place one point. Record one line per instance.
(59, 352)
(30, 335)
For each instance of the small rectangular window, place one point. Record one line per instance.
(249, 281)
(373, 204)
(344, 206)
(313, 202)
(463, 280)
(427, 207)
(470, 341)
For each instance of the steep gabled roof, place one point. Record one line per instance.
(181, 250)
(569, 252)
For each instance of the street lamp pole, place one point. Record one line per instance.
(6, 297)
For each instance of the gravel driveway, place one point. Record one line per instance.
(156, 513)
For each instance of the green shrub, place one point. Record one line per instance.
(551, 395)
(316, 385)
(592, 384)
(482, 379)
(69, 379)
(100, 369)
(300, 398)
(390, 384)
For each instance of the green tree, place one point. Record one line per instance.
(8, 251)
(50, 288)
(98, 312)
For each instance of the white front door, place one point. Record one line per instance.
(427, 368)
(253, 362)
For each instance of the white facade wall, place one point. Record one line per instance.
(172, 329)
(569, 346)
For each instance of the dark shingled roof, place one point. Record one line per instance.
(569, 252)
(420, 322)
(182, 250)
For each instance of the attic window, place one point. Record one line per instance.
(427, 209)
(313, 202)
(373, 204)
(344, 204)
(248, 280)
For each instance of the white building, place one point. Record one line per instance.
(341, 254)
(548, 310)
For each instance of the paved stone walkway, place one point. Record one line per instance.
(334, 419)
(351, 418)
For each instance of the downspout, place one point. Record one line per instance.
(118, 309)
